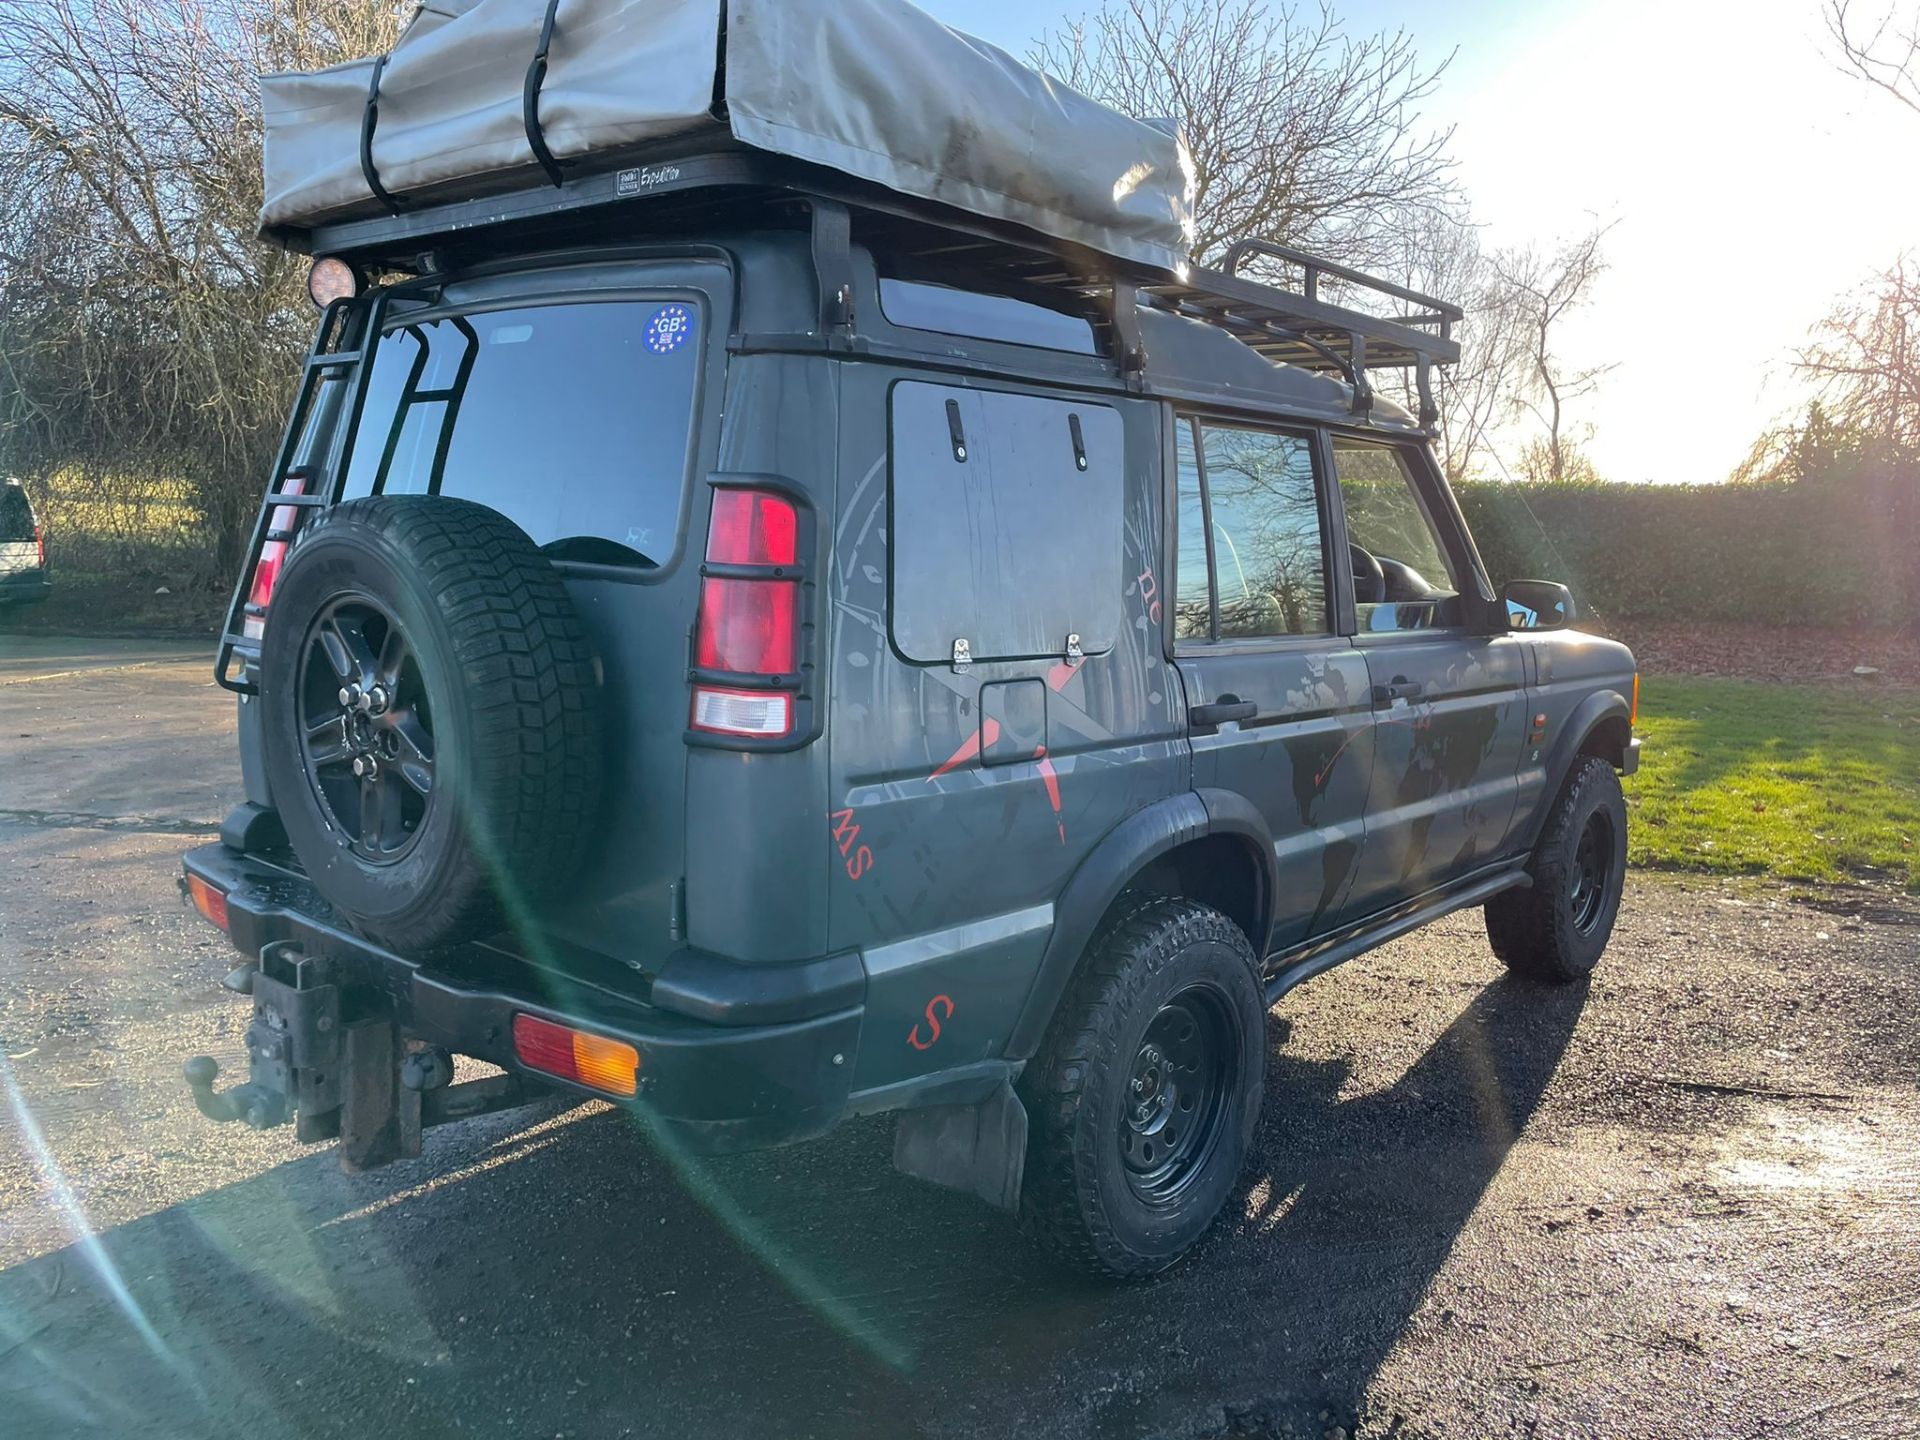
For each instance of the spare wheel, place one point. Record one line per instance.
(429, 705)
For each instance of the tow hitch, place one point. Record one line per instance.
(331, 1059)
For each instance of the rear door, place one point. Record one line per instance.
(1448, 699)
(1277, 700)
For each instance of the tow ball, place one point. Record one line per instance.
(259, 1106)
(331, 1058)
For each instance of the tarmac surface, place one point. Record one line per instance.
(1681, 1201)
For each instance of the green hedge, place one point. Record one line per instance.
(1838, 552)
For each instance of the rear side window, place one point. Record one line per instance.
(574, 421)
(1249, 516)
(16, 516)
(1007, 523)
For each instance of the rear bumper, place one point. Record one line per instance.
(23, 586)
(712, 1087)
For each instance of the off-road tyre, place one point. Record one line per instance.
(508, 690)
(1556, 930)
(1077, 1198)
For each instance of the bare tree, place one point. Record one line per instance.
(1865, 360)
(1881, 48)
(144, 333)
(1480, 393)
(1545, 288)
(1298, 132)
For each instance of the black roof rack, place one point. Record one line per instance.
(674, 192)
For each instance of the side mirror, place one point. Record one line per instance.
(1535, 605)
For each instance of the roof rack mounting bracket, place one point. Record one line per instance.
(1123, 320)
(833, 268)
(1423, 379)
(530, 99)
(1362, 386)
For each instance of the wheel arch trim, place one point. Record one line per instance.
(1599, 708)
(1112, 865)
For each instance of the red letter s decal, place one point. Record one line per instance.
(933, 1021)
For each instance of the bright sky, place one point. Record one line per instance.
(1752, 184)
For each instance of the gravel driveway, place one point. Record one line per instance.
(1683, 1201)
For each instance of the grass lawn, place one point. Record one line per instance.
(1805, 782)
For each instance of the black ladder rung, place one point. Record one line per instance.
(297, 502)
(336, 360)
(279, 536)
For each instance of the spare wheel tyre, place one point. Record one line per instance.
(432, 731)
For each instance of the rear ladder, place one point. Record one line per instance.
(294, 488)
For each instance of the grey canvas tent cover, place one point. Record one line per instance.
(873, 89)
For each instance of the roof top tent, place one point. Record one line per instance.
(495, 125)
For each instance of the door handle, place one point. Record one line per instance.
(1399, 688)
(1227, 707)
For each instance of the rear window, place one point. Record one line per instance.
(16, 516)
(574, 421)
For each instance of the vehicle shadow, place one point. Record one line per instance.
(574, 1277)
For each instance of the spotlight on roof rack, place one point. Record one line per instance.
(331, 279)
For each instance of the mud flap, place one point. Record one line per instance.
(981, 1148)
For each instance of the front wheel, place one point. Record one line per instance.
(1144, 1097)
(1558, 928)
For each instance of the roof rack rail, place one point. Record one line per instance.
(674, 191)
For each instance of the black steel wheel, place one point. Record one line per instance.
(1182, 1082)
(432, 730)
(1142, 1100)
(1588, 880)
(366, 728)
(1557, 928)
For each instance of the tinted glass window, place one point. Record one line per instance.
(572, 420)
(16, 516)
(1268, 554)
(1268, 545)
(1007, 528)
(918, 306)
(1401, 577)
(1192, 605)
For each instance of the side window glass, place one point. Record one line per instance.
(1192, 603)
(1249, 519)
(1268, 551)
(1401, 577)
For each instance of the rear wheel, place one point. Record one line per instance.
(1558, 928)
(433, 737)
(1144, 1096)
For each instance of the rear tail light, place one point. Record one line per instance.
(749, 624)
(40, 545)
(211, 903)
(273, 554)
(752, 527)
(759, 713)
(612, 1066)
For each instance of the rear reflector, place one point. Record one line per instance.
(759, 714)
(210, 902)
(595, 1061)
